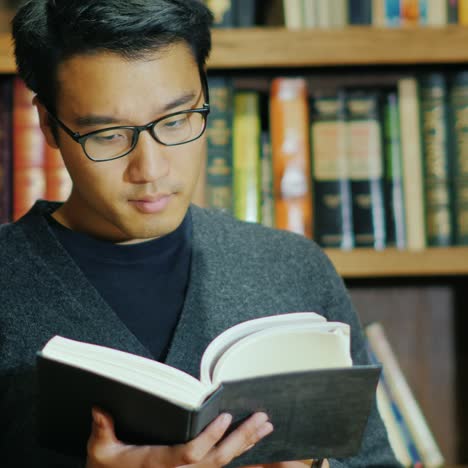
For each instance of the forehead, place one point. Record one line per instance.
(106, 82)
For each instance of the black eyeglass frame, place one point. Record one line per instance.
(137, 129)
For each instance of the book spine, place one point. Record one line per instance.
(219, 141)
(395, 209)
(311, 19)
(409, 12)
(399, 434)
(289, 126)
(378, 13)
(436, 159)
(332, 186)
(5, 150)
(437, 12)
(267, 199)
(28, 151)
(463, 12)
(246, 156)
(459, 132)
(293, 14)
(324, 14)
(366, 169)
(223, 12)
(410, 130)
(452, 11)
(339, 13)
(424, 10)
(392, 13)
(360, 11)
(246, 11)
(404, 398)
(58, 181)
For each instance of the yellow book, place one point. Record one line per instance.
(246, 156)
(463, 12)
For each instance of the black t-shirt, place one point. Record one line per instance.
(145, 283)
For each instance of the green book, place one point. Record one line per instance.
(219, 141)
(332, 188)
(267, 199)
(459, 128)
(436, 159)
(365, 153)
(394, 196)
(246, 156)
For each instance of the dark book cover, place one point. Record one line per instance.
(366, 168)
(224, 13)
(452, 16)
(436, 159)
(394, 196)
(245, 12)
(360, 11)
(219, 138)
(295, 403)
(459, 136)
(332, 187)
(6, 150)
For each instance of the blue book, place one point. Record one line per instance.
(392, 13)
(423, 11)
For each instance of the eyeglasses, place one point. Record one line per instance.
(111, 143)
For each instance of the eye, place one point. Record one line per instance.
(175, 122)
(109, 138)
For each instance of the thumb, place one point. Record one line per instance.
(102, 432)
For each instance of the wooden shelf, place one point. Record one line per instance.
(279, 47)
(368, 263)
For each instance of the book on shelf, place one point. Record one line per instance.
(5, 151)
(410, 12)
(392, 13)
(236, 369)
(413, 181)
(223, 13)
(366, 168)
(246, 172)
(394, 196)
(29, 180)
(378, 13)
(436, 159)
(333, 223)
(219, 144)
(459, 119)
(463, 12)
(405, 401)
(293, 13)
(289, 127)
(267, 199)
(360, 12)
(452, 11)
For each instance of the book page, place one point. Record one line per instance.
(287, 349)
(230, 336)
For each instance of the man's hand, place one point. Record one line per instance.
(292, 464)
(106, 451)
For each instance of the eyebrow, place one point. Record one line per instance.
(93, 119)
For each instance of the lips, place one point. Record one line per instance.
(151, 205)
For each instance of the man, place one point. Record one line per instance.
(126, 262)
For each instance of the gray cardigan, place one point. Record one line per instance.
(239, 271)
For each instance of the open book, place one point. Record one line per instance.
(296, 367)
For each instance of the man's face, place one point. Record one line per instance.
(145, 194)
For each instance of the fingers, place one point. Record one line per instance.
(242, 439)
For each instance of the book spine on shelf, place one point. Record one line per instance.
(394, 196)
(293, 14)
(289, 127)
(245, 12)
(360, 11)
(410, 130)
(392, 13)
(436, 159)
(378, 13)
(224, 13)
(463, 12)
(58, 181)
(452, 11)
(339, 13)
(267, 199)
(366, 168)
(404, 398)
(437, 12)
(311, 19)
(5, 150)
(330, 173)
(410, 13)
(424, 11)
(219, 143)
(459, 136)
(324, 14)
(28, 151)
(246, 156)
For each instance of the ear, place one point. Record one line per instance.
(44, 121)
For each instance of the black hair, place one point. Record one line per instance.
(48, 32)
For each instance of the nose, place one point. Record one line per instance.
(148, 161)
